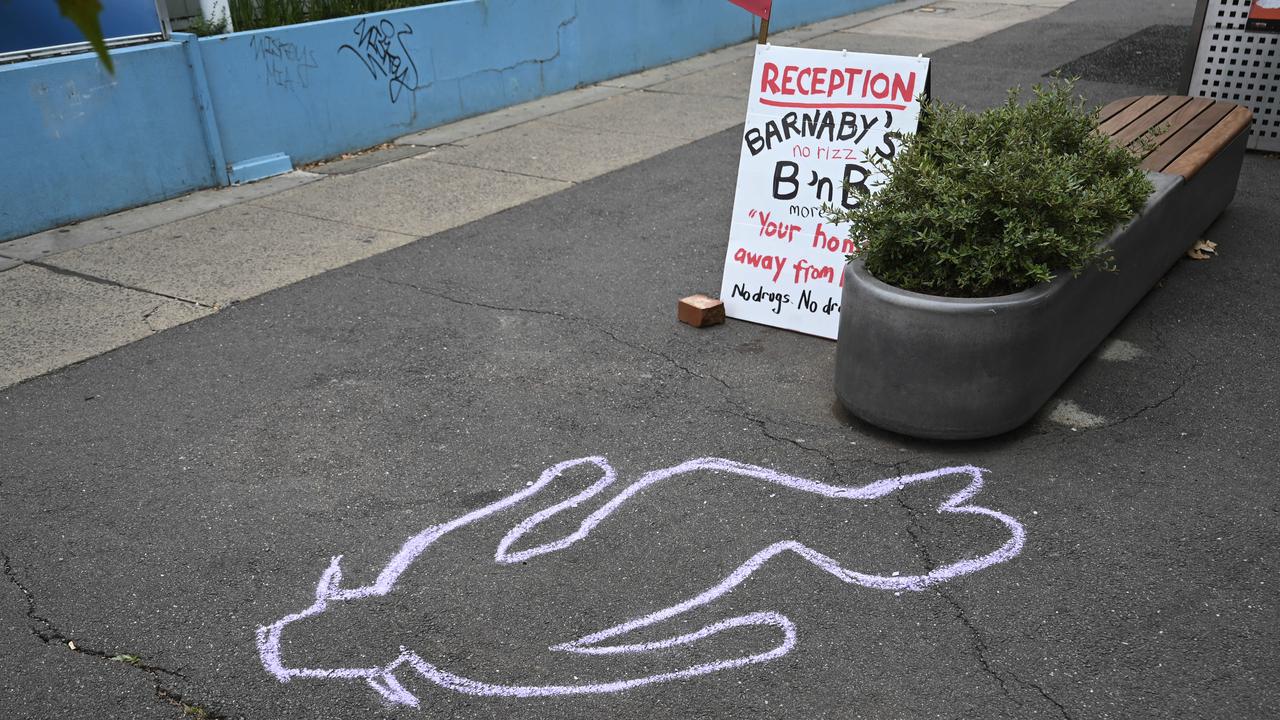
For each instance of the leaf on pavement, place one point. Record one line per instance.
(1203, 250)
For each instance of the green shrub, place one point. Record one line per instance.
(992, 203)
(204, 27)
(256, 14)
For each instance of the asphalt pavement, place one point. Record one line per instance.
(171, 510)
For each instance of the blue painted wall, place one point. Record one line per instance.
(78, 142)
(312, 91)
(83, 143)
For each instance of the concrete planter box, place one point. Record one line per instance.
(957, 368)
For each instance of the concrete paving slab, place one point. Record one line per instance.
(415, 196)
(795, 36)
(653, 113)
(731, 80)
(7, 263)
(366, 160)
(546, 150)
(230, 254)
(1054, 4)
(52, 320)
(665, 73)
(459, 132)
(954, 21)
(652, 76)
(881, 43)
(70, 237)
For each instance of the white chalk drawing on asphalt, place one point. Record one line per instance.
(383, 678)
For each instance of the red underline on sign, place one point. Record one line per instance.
(862, 106)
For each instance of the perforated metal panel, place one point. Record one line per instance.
(1241, 66)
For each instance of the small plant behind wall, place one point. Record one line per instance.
(256, 14)
(205, 27)
(992, 203)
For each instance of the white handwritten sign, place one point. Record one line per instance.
(669, 625)
(814, 117)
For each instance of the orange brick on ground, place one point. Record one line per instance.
(700, 311)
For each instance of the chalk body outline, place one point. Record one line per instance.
(383, 679)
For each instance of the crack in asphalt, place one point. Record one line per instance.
(659, 354)
(1158, 334)
(1062, 709)
(1040, 428)
(762, 423)
(734, 405)
(555, 314)
(980, 648)
(469, 303)
(46, 632)
(1187, 377)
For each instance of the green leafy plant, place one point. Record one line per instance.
(204, 27)
(255, 14)
(992, 203)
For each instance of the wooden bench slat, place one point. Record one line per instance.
(1211, 143)
(1151, 119)
(1110, 109)
(1174, 122)
(1122, 119)
(1185, 137)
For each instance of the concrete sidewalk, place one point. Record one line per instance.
(75, 292)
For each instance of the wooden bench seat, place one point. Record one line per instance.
(1200, 140)
(1192, 131)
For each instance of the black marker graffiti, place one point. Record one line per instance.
(789, 182)
(287, 64)
(374, 48)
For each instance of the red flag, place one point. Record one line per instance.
(755, 7)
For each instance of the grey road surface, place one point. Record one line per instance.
(160, 503)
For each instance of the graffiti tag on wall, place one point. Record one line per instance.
(287, 63)
(382, 678)
(380, 47)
